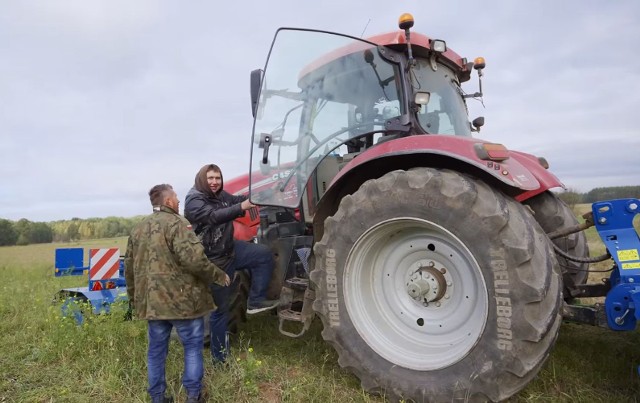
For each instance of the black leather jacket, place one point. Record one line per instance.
(212, 219)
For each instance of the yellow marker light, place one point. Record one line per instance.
(405, 21)
(479, 63)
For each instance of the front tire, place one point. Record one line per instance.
(432, 286)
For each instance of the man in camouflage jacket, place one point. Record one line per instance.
(168, 277)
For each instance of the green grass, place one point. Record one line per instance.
(47, 358)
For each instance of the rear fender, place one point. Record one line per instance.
(520, 176)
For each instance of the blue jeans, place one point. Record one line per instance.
(191, 333)
(258, 260)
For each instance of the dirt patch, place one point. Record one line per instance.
(270, 392)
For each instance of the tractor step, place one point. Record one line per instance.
(290, 298)
(291, 315)
(298, 283)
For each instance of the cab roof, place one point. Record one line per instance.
(420, 45)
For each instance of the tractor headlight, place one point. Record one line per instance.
(438, 45)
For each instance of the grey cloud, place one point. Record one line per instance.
(100, 100)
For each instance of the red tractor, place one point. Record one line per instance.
(424, 250)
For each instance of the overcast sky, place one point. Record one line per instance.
(100, 100)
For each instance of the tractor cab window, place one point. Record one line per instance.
(321, 94)
(446, 112)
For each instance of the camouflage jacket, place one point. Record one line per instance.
(166, 270)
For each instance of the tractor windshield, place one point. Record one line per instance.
(446, 112)
(319, 91)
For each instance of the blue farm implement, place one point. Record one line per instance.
(614, 222)
(105, 273)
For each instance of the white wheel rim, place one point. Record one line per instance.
(395, 325)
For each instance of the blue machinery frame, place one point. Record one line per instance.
(614, 221)
(70, 262)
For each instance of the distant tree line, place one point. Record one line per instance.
(25, 232)
(573, 197)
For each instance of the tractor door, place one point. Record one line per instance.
(322, 96)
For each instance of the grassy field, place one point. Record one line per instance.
(47, 358)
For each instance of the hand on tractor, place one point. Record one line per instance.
(246, 205)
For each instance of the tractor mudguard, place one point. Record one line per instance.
(517, 174)
(519, 170)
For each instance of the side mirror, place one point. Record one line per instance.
(477, 123)
(255, 81)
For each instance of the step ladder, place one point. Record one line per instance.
(296, 300)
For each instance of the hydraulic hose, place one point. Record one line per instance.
(567, 256)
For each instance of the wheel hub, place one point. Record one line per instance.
(427, 284)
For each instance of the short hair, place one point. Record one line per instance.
(159, 193)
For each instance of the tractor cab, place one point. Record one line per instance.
(330, 95)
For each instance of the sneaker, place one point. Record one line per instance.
(262, 306)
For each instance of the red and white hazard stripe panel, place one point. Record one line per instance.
(104, 264)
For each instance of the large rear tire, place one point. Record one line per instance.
(553, 214)
(434, 287)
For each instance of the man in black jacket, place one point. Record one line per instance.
(211, 211)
